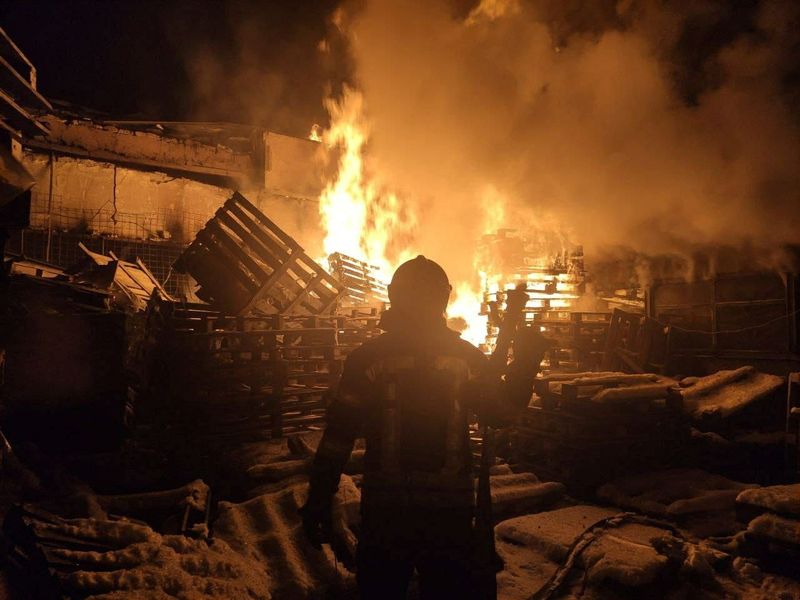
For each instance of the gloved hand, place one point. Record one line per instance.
(529, 349)
(317, 523)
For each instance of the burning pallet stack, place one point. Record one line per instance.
(552, 283)
(365, 296)
(586, 427)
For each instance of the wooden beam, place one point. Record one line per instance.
(27, 120)
(13, 79)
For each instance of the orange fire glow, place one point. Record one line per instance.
(360, 219)
(363, 220)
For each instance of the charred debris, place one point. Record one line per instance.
(156, 438)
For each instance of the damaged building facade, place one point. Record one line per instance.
(170, 340)
(146, 189)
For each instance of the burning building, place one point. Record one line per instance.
(179, 301)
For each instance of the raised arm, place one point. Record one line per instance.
(497, 396)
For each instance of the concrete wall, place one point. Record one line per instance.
(295, 166)
(126, 202)
(112, 143)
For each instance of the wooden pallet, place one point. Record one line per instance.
(198, 318)
(224, 380)
(579, 338)
(278, 413)
(221, 380)
(637, 344)
(244, 263)
(360, 280)
(357, 325)
(569, 316)
(584, 448)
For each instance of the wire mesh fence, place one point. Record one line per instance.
(65, 252)
(157, 238)
(60, 214)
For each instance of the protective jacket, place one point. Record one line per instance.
(410, 393)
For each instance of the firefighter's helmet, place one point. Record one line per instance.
(420, 283)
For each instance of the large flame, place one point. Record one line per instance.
(360, 218)
(367, 222)
(468, 296)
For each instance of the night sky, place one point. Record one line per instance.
(239, 61)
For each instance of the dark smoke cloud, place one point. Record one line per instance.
(659, 126)
(260, 62)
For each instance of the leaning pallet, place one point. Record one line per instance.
(244, 263)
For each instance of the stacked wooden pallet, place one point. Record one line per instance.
(244, 263)
(356, 326)
(363, 286)
(586, 427)
(214, 381)
(580, 338)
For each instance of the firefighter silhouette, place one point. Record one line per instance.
(410, 393)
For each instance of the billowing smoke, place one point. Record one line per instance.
(258, 62)
(656, 126)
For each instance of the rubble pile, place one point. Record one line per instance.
(235, 391)
(196, 379)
